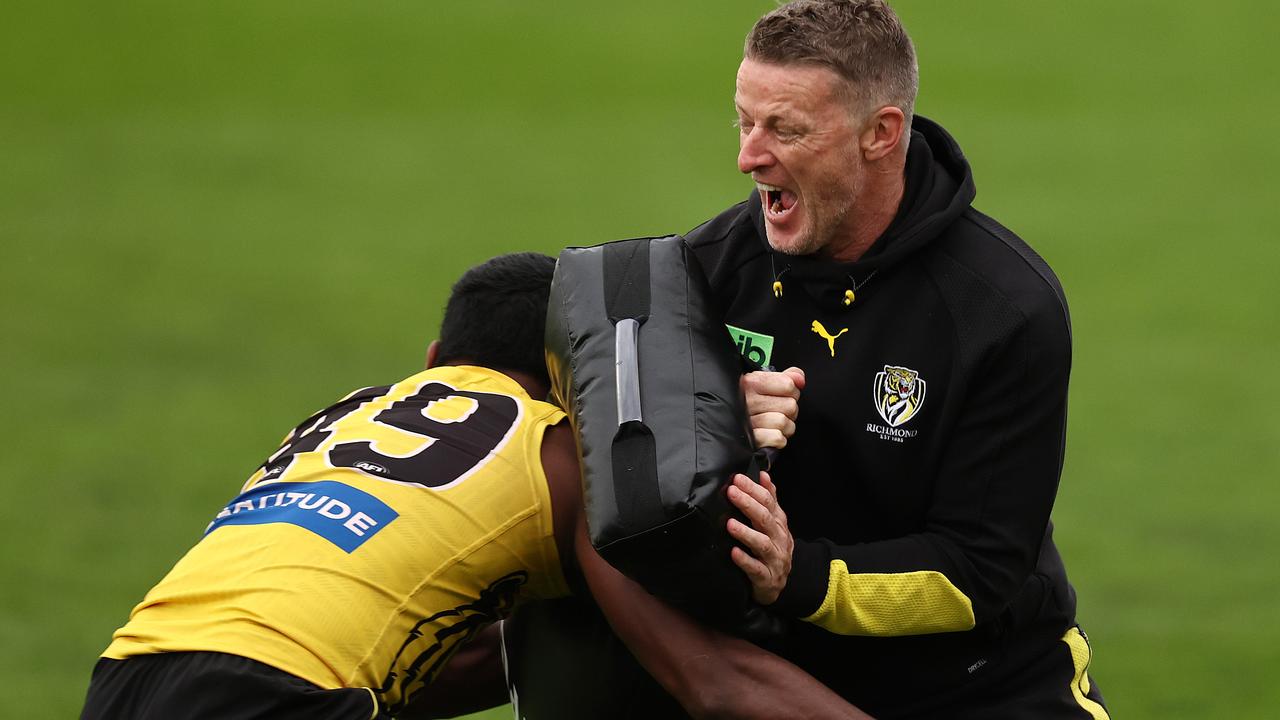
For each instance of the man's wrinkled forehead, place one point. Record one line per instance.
(803, 85)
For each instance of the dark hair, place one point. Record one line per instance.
(497, 314)
(863, 41)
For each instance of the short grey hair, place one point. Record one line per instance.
(863, 41)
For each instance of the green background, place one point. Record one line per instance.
(217, 217)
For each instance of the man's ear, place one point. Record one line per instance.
(883, 133)
(433, 353)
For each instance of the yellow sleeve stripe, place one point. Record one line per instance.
(1080, 657)
(885, 604)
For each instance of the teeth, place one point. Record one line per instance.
(773, 197)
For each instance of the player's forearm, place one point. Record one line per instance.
(739, 680)
(710, 674)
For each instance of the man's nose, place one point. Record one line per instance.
(753, 151)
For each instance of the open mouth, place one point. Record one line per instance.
(777, 201)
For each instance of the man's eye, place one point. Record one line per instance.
(787, 135)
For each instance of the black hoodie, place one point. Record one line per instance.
(930, 438)
(921, 517)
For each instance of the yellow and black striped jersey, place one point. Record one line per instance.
(385, 531)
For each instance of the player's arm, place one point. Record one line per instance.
(472, 680)
(711, 675)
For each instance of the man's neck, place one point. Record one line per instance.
(536, 387)
(878, 207)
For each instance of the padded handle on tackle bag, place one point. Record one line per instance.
(635, 454)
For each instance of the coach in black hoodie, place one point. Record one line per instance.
(929, 351)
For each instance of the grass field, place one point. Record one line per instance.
(216, 217)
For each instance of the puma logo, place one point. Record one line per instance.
(831, 339)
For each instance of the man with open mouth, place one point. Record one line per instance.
(914, 567)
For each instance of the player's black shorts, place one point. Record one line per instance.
(200, 685)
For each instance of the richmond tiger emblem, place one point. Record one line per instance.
(899, 394)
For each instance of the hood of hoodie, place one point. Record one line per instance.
(939, 188)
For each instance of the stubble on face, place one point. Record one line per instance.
(830, 208)
(799, 135)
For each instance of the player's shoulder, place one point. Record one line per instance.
(981, 263)
(559, 448)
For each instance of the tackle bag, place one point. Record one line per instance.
(641, 361)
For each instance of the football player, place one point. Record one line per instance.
(397, 524)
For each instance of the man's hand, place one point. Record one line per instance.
(773, 402)
(769, 539)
